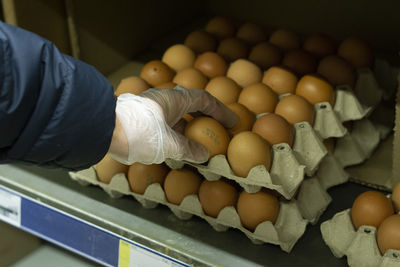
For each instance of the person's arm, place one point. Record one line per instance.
(55, 110)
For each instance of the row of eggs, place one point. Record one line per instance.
(252, 209)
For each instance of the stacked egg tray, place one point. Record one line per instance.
(309, 153)
(304, 198)
(288, 228)
(360, 246)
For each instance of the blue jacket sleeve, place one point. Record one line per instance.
(55, 111)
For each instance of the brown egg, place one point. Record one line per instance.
(315, 90)
(244, 72)
(258, 98)
(224, 89)
(200, 42)
(210, 133)
(280, 80)
(167, 85)
(256, 208)
(371, 208)
(274, 129)
(247, 150)
(179, 57)
(246, 118)
(294, 109)
(285, 39)
(337, 70)
(330, 144)
(221, 27)
(133, 85)
(319, 45)
(140, 176)
(108, 167)
(265, 55)
(232, 49)
(191, 78)
(181, 183)
(388, 235)
(396, 197)
(211, 64)
(300, 62)
(216, 195)
(156, 72)
(357, 52)
(251, 33)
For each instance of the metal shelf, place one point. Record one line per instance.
(87, 221)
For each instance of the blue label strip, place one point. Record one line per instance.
(72, 233)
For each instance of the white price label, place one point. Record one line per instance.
(10, 208)
(134, 256)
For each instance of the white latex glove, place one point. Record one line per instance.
(148, 121)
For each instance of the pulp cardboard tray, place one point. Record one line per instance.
(286, 173)
(359, 246)
(307, 148)
(358, 145)
(354, 148)
(288, 228)
(311, 201)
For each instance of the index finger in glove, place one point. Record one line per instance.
(207, 104)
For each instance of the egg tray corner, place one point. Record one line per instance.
(360, 246)
(354, 148)
(288, 228)
(358, 145)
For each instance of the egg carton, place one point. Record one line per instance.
(285, 176)
(286, 172)
(360, 246)
(331, 172)
(354, 148)
(288, 228)
(358, 145)
(287, 169)
(350, 104)
(312, 197)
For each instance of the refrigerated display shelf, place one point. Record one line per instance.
(87, 221)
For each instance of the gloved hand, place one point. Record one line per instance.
(150, 119)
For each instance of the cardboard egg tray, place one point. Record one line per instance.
(313, 198)
(353, 148)
(307, 206)
(357, 146)
(285, 174)
(310, 198)
(288, 228)
(360, 246)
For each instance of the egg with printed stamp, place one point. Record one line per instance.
(210, 133)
